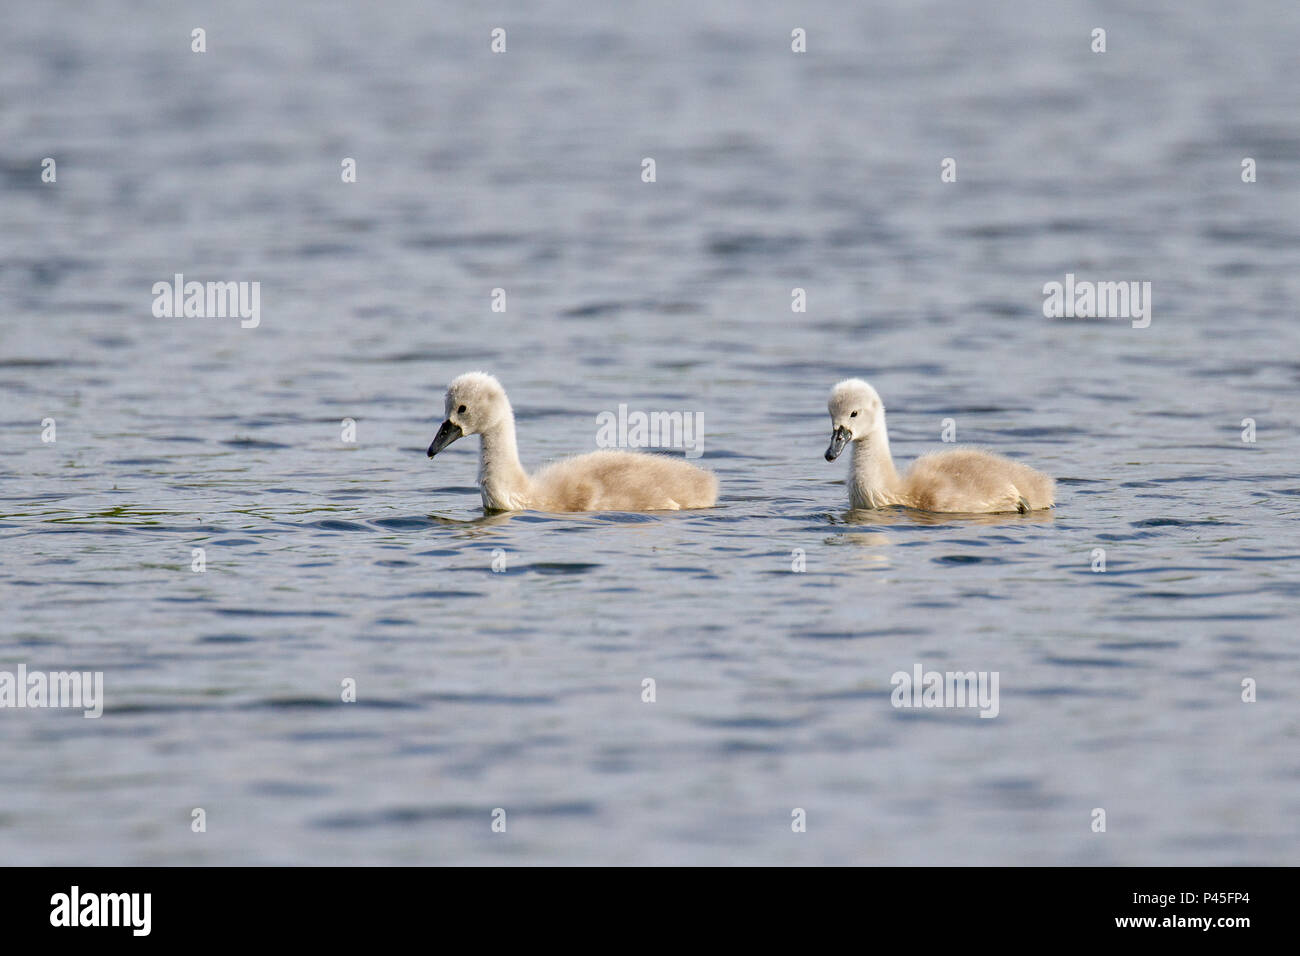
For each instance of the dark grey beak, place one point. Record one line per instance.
(447, 434)
(839, 438)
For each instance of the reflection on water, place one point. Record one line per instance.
(889, 517)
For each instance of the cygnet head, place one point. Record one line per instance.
(856, 412)
(475, 403)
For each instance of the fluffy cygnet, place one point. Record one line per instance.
(600, 481)
(963, 480)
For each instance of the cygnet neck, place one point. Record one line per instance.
(501, 477)
(875, 480)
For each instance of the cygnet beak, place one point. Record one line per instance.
(840, 437)
(447, 434)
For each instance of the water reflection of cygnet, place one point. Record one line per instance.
(903, 517)
(872, 545)
(478, 527)
(488, 524)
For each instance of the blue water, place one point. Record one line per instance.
(522, 690)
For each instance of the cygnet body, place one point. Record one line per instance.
(476, 404)
(964, 480)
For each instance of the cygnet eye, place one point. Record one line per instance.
(461, 410)
(853, 415)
